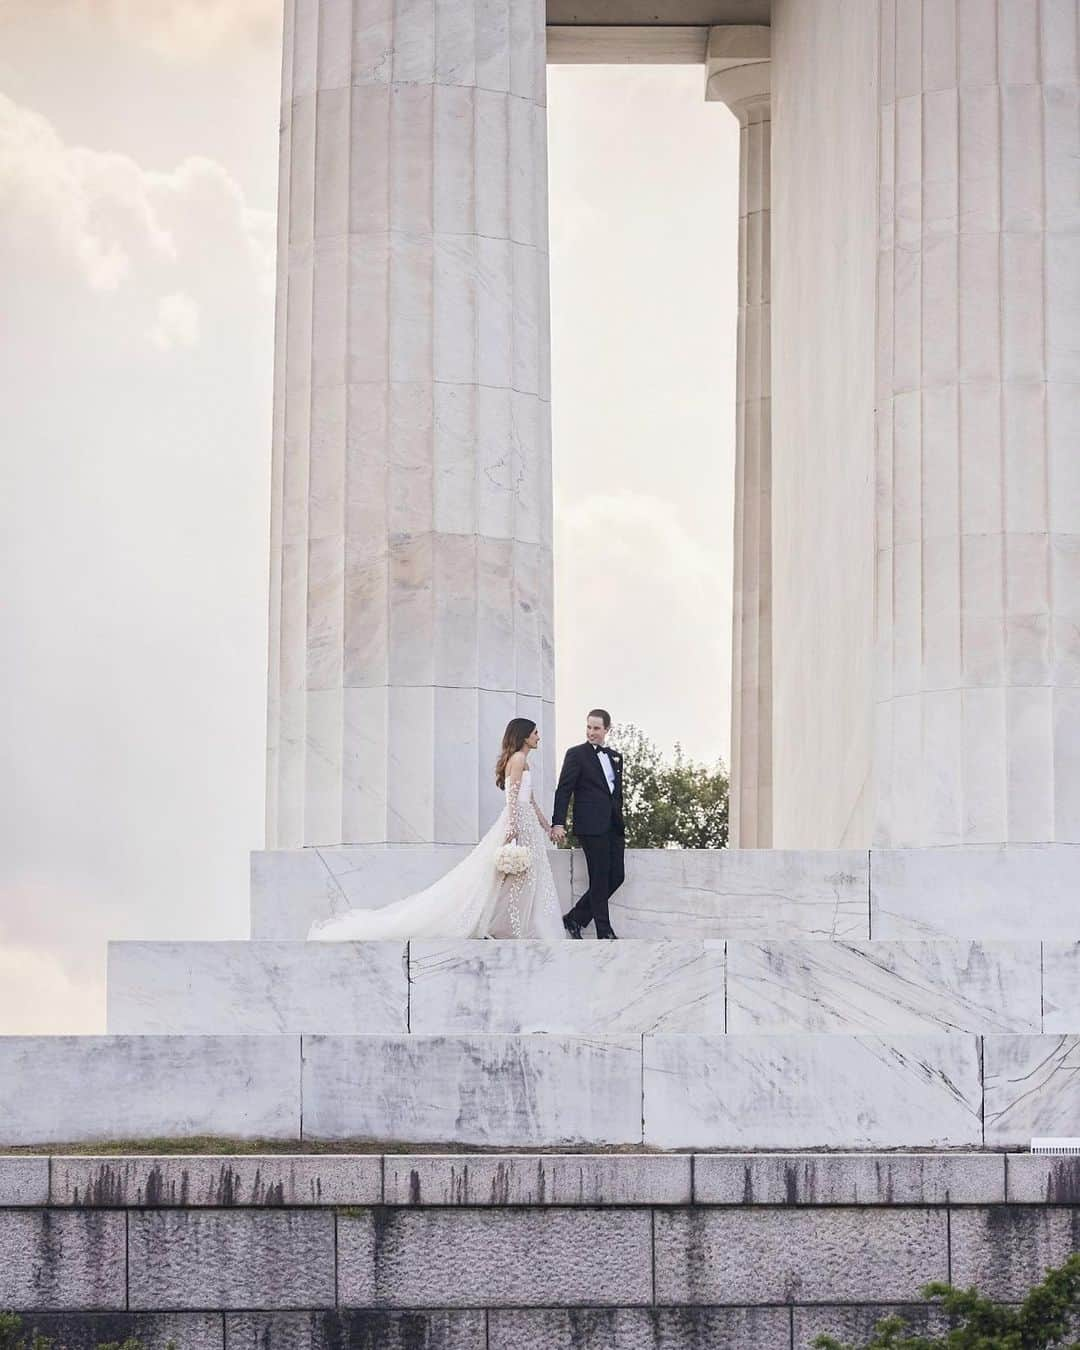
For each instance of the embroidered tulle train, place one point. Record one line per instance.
(473, 899)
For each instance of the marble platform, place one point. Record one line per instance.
(590, 988)
(265, 988)
(667, 1091)
(669, 893)
(987, 893)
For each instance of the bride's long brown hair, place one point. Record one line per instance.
(518, 730)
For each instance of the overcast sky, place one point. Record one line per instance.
(138, 167)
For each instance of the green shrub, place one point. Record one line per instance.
(12, 1337)
(1046, 1317)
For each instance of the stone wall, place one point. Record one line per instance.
(549, 1252)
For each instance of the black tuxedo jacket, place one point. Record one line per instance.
(596, 808)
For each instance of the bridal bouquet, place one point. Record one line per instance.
(512, 859)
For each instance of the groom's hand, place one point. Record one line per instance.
(558, 834)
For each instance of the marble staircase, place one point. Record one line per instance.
(758, 1000)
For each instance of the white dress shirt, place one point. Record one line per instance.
(603, 754)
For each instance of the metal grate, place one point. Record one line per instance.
(1056, 1147)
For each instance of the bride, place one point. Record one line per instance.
(474, 899)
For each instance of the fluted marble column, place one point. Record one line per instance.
(978, 608)
(411, 576)
(738, 70)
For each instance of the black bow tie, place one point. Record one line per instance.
(601, 750)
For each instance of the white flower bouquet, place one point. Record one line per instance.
(512, 860)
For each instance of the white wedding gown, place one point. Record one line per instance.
(472, 900)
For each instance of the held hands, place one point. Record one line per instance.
(557, 834)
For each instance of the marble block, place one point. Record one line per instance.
(257, 988)
(985, 893)
(739, 893)
(1032, 1088)
(24, 1180)
(584, 988)
(524, 1091)
(538, 1179)
(358, 1328)
(638, 1328)
(61, 1260)
(1006, 1249)
(854, 1325)
(152, 1331)
(292, 888)
(1061, 987)
(1042, 1179)
(892, 987)
(222, 1182)
(224, 1259)
(849, 1179)
(83, 1088)
(812, 1091)
(446, 1258)
(799, 1255)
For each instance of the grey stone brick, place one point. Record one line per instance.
(52, 1260)
(538, 1179)
(265, 1180)
(449, 1258)
(24, 1179)
(1004, 1249)
(357, 1329)
(849, 1178)
(154, 1331)
(639, 1329)
(855, 1325)
(744, 1255)
(221, 1259)
(1032, 1179)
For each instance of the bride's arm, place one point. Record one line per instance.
(514, 770)
(545, 825)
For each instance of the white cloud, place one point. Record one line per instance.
(634, 526)
(177, 322)
(106, 217)
(171, 28)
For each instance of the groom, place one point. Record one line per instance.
(592, 775)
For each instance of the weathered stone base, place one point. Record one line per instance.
(523, 1252)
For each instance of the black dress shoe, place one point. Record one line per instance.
(608, 933)
(573, 928)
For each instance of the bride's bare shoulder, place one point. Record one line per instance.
(515, 765)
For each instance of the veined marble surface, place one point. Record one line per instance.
(1061, 986)
(812, 1091)
(890, 987)
(575, 987)
(260, 988)
(70, 1089)
(292, 888)
(739, 893)
(512, 1091)
(989, 893)
(1032, 1088)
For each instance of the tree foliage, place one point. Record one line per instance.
(13, 1337)
(670, 804)
(1047, 1316)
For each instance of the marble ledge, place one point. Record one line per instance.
(538, 1179)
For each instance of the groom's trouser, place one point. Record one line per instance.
(604, 857)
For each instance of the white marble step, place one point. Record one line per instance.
(669, 893)
(584, 988)
(664, 1091)
(985, 893)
